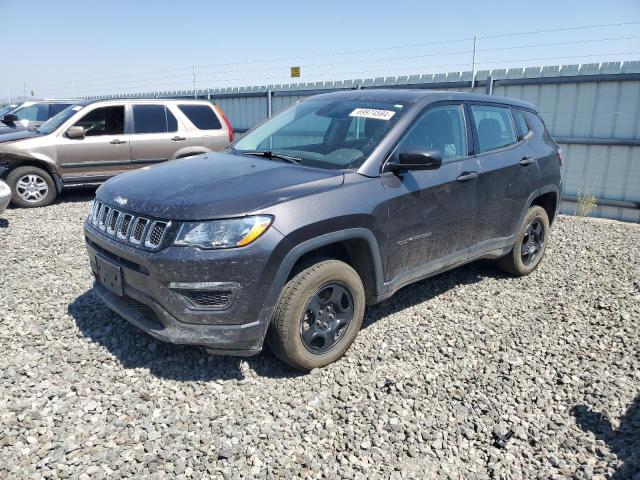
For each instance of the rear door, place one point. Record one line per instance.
(508, 175)
(432, 213)
(156, 135)
(102, 153)
(205, 128)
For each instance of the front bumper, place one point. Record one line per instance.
(150, 302)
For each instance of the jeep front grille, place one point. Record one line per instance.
(128, 228)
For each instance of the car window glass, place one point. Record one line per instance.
(441, 128)
(103, 121)
(521, 123)
(38, 112)
(202, 116)
(56, 108)
(153, 119)
(307, 130)
(494, 127)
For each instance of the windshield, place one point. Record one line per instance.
(54, 122)
(6, 109)
(326, 133)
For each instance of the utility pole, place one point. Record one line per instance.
(24, 90)
(473, 63)
(73, 90)
(195, 95)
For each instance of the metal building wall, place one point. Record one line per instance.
(593, 110)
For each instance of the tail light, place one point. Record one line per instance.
(560, 156)
(226, 121)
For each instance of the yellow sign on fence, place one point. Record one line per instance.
(295, 72)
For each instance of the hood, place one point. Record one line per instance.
(13, 134)
(215, 185)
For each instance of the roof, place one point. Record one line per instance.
(420, 96)
(143, 100)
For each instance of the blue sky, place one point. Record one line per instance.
(129, 46)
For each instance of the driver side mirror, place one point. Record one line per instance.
(76, 133)
(415, 160)
(10, 119)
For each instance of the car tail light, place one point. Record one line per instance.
(226, 121)
(561, 156)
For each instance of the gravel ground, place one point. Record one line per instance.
(436, 371)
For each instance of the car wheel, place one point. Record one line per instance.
(31, 187)
(318, 315)
(530, 245)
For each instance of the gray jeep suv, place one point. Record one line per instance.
(92, 141)
(335, 203)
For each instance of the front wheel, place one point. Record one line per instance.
(530, 245)
(318, 315)
(31, 187)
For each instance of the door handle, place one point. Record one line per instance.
(465, 177)
(178, 138)
(117, 142)
(527, 161)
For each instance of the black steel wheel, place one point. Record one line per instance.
(533, 241)
(530, 244)
(318, 315)
(326, 317)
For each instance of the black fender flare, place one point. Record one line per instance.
(300, 249)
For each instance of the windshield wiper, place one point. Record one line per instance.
(271, 155)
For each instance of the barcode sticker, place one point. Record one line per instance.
(372, 113)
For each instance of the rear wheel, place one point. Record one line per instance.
(31, 187)
(318, 315)
(530, 244)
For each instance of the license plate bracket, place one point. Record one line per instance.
(109, 275)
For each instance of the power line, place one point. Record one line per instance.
(358, 61)
(358, 51)
(424, 67)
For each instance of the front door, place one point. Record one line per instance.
(102, 153)
(156, 135)
(432, 212)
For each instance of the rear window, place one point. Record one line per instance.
(494, 127)
(202, 116)
(153, 119)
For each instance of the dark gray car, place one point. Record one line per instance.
(333, 204)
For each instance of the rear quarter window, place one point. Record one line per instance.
(202, 116)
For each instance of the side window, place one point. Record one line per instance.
(38, 112)
(441, 128)
(202, 116)
(153, 119)
(103, 121)
(494, 127)
(521, 123)
(56, 108)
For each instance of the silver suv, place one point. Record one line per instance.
(92, 141)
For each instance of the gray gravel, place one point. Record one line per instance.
(435, 372)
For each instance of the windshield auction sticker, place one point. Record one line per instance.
(372, 113)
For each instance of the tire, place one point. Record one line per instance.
(304, 309)
(31, 187)
(518, 263)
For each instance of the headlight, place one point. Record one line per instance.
(235, 232)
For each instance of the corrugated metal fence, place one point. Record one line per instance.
(593, 110)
